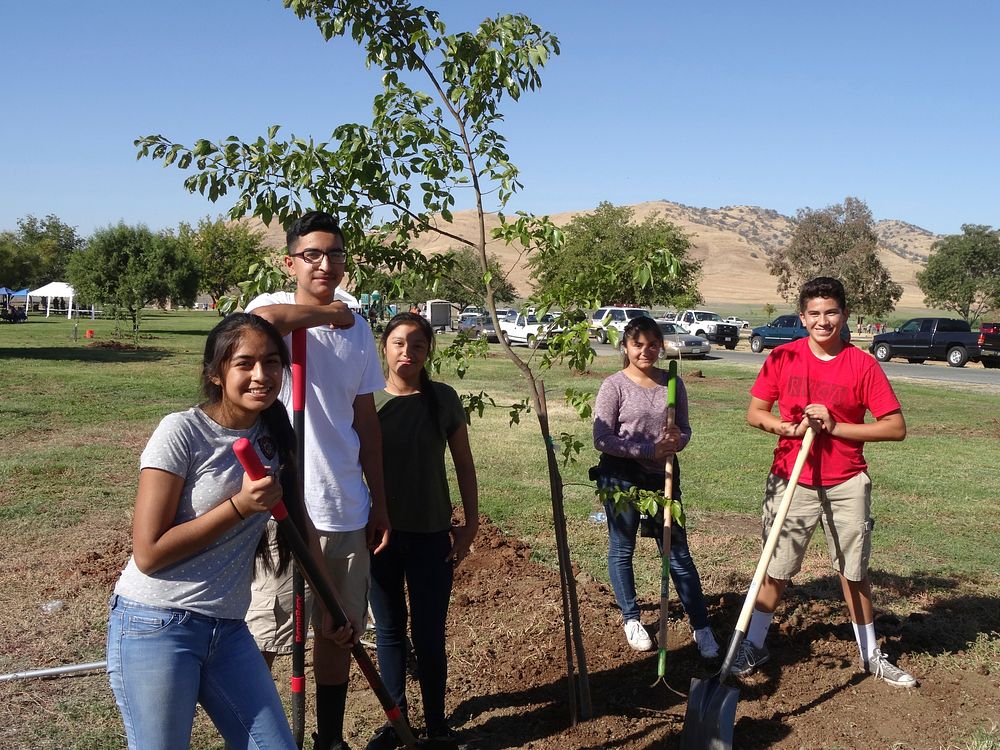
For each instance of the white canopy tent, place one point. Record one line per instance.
(55, 289)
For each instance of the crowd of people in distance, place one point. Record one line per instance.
(12, 315)
(204, 604)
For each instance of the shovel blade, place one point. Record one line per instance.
(710, 717)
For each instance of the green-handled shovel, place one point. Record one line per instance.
(711, 709)
(668, 497)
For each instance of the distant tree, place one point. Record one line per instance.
(17, 266)
(224, 251)
(769, 311)
(37, 252)
(125, 268)
(963, 273)
(838, 241)
(463, 285)
(609, 259)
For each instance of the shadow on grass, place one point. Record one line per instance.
(84, 354)
(949, 622)
(158, 332)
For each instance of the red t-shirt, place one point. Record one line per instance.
(848, 385)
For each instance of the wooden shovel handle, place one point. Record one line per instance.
(772, 537)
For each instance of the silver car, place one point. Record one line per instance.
(477, 326)
(677, 343)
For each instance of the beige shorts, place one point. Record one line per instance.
(270, 615)
(843, 509)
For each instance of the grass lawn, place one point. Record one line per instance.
(74, 416)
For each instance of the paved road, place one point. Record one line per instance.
(973, 374)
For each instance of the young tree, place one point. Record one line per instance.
(397, 177)
(963, 273)
(606, 256)
(838, 241)
(126, 268)
(224, 250)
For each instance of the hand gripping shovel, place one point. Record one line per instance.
(711, 709)
(312, 571)
(668, 498)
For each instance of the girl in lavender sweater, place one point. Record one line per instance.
(630, 432)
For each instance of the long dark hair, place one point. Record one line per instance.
(219, 348)
(426, 385)
(636, 326)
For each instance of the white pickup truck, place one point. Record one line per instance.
(709, 325)
(525, 328)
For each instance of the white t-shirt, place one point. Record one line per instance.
(340, 365)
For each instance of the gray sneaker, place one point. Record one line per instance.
(749, 658)
(880, 666)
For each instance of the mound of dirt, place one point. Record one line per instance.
(507, 680)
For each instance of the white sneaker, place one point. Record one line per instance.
(637, 636)
(880, 666)
(707, 645)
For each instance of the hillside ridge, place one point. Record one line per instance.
(732, 243)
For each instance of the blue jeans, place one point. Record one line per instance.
(419, 560)
(161, 662)
(622, 531)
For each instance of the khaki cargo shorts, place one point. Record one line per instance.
(270, 615)
(843, 509)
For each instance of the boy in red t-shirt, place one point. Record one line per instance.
(829, 384)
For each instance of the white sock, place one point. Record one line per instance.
(760, 622)
(865, 636)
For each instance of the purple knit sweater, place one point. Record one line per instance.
(628, 418)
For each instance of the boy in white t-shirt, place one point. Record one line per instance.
(343, 450)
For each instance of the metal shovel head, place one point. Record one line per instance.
(711, 715)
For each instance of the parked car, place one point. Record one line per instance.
(528, 329)
(739, 322)
(614, 317)
(709, 325)
(989, 345)
(477, 326)
(946, 339)
(466, 321)
(783, 329)
(677, 342)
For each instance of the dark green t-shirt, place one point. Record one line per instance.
(416, 484)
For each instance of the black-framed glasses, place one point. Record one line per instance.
(315, 257)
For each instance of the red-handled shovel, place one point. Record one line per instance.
(298, 681)
(312, 570)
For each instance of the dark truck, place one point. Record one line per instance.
(945, 339)
(989, 345)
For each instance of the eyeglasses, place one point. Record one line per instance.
(315, 257)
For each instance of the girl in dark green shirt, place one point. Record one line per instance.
(419, 419)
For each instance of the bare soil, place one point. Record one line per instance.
(508, 687)
(507, 682)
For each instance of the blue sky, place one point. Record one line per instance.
(776, 104)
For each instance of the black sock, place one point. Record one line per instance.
(331, 700)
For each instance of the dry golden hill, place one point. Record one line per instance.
(731, 242)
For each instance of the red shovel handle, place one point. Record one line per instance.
(255, 470)
(299, 369)
(311, 568)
